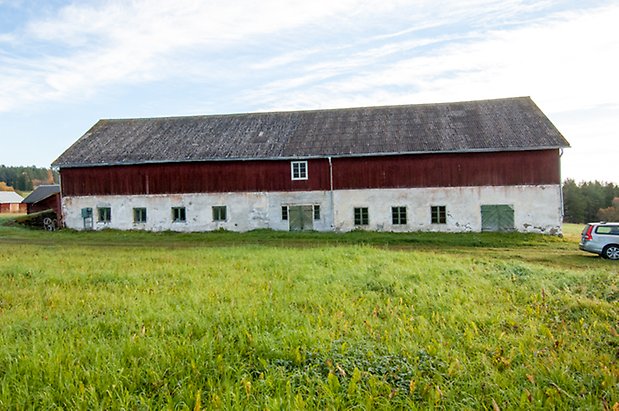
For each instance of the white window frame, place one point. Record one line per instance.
(301, 170)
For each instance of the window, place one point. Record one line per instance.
(178, 214)
(398, 215)
(607, 229)
(139, 215)
(105, 214)
(316, 212)
(298, 170)
(439, 214)
(219, 213)
(284, 213)
(361, 216)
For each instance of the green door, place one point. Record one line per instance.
(497, 217)
(301, 218)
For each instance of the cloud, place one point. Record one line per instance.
(566, 62)
(293, 53)
(87, 47)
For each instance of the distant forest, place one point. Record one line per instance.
(590, 201)
(25, 178)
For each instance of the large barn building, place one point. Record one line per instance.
(467, 166)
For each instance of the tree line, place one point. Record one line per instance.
(25, 178)
(590, 201)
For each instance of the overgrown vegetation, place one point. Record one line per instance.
(590, 201)
(25, 178)
(264, 320)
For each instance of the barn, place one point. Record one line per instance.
(488, 165)
(10, 202)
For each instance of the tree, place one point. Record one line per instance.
(5, 187)
(574, 203)
(582, 202)
(25, 178)
(611, 213)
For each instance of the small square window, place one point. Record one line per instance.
(298, 170)
(104, 214)
(139, 215)
(398, 215)
(316, 212)
(439, 214)
(178, 214)
(219, 213)
(362, 216)
(284, 213)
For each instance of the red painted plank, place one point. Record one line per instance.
(426, 170)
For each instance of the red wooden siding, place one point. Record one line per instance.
(207, 177)
(16, 208)
(449, 170)
(427, 170)
(51, 202)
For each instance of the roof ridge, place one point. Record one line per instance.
(318, 110)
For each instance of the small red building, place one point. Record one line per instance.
(10, 202)
(466, 166)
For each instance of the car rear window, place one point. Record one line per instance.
(606, 229)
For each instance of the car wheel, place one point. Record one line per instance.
(611, 252)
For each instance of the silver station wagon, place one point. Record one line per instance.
(602, 239)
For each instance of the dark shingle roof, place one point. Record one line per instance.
(487, 125)
(41, 193)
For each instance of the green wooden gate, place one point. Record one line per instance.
(301, 218)
(497, 217)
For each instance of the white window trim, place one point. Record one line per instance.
(292, 164)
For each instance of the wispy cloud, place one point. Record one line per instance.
(566, 61)
(94, 45)
(299, 53)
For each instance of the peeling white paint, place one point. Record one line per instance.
(536, 209)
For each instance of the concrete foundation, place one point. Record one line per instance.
(536, 209)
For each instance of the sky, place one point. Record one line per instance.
(66, 64)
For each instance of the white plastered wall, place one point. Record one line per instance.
(536, 209)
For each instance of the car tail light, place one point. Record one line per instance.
(588, 236)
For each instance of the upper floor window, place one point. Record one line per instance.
(298, 170)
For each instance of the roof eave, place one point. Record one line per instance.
(307, 157)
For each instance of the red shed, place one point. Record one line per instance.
(44, 197)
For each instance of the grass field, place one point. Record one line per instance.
(267, 320)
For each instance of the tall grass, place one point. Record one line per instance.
(133, 320)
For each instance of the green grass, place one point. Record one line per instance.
(267, 320)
